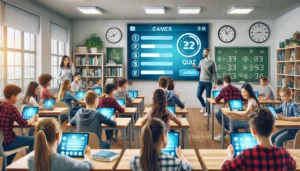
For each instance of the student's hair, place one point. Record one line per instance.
(207, 49)
(151, 134)
(264, 78)
(219, 82)
(286, 90)
(44, 79)
(76, 74)
(227, 78)
(46, 131)
(62, 61)
(122, 81)
(11, 90)
(263, 121)
(63, 89)
(250, 91)
(30, 92)
(99, 80)
(171, 85)
(163, 81)
(90, 97)
(159, 105)
(109, 88)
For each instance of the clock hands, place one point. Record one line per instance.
(113, 35)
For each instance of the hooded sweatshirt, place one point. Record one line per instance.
(111, 103)
(173, 99)
(123, 94)
(87, 120)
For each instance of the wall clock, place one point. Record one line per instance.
(226, 34)
(259, 32)
(113, 35)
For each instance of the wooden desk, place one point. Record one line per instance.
(132, 112)
(142, 104)
(138, 104)
(57, 111)
(184, 130)
(33, 125)
(178, 111)
(213, 159)
(122, 124)
(124, 164)
(21, 164)
(287, 124)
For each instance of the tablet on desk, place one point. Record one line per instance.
(98, 90)
(121, 102)
(256, 94)
(49, 103)
(80, 95)
(215, 93)
(241, 141)
(133, 93)
(73, 144)
(173, 143)
(273, 111)
(235, 105)
(172, 108)
(29, 112)
(108, 112)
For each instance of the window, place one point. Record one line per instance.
(58, 50)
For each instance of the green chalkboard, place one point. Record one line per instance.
(242, 63)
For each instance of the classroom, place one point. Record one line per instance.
(148, 85)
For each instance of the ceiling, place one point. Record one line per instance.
(133, 9)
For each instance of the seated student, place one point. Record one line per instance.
(171, 86)
(90, 120)
(171, 96)
(160, 109)
(151, 158)
(46, 158)
(229, 92)
(45, 81)
(290, 112)
(265, 156)
(268, 91)
(10, 114)
(32, 96)
(107, 100)
(76, 84)
(122, 92)
(98, 83)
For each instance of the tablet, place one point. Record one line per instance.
(29, 112)
(98, 90)
(108, 112)
(236, 105)
(80, 95)
(215, 93)
(241, 141)
(273, 111)
(172, 108)
(173, 143)
(121, 102)
(73, 144)
(133, 93)
(256, 94)
(49, 103)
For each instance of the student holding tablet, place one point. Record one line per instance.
(264, 156)
(268, 91)
(46, 158)
(151, 158)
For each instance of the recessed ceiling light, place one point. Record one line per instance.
(155, 10)
(189, 10)
(89, 10)
(240, 10)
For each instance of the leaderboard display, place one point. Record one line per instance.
(165, 49)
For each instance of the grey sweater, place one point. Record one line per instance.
(208, 71)
(123, 94)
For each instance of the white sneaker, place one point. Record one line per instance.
(205, 115)
(202, 110)
(218, 138)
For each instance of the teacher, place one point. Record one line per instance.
(208, 76)
(66, 70)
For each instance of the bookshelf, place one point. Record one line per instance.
(113, 72)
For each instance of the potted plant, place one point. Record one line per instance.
(296, 35)
(94, 42)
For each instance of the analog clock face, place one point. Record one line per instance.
(113, 35)
(259, 32)
(226, 34)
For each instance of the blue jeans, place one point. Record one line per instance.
(282, 135)
(19, 141)
(207, 86)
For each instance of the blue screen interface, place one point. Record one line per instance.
(242, 141)
(98, 90)
(29, 112)
(236, 105)
(73, 144)
(49, 103)
(121, 102)
(108, 112)
(273, 111)
(216, 93)
(256, 94)
(80, 95)
(172, 108)
(173, 143)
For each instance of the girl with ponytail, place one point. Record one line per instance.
(151, 158)
(46, 157)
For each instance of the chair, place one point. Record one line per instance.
(63, 104)
(5, 154)
(93, 141)
(297, 141)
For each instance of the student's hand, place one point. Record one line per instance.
(72, 64)
(87, 153)
(36, 117)
(280, 117)
(230, 150)
(214, 86)
(114, 117)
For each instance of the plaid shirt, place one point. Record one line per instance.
(229, 93)
(261, 158)
(8, 114)
(166, 163)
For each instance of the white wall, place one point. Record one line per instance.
(187, 89)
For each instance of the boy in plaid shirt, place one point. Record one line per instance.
(265, 156)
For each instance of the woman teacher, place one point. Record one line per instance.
(66, 71)
(207, 78)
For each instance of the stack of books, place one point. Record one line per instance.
(281, 56)
(105, 156)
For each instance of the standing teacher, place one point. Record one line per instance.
(66, 70)
(208, 76)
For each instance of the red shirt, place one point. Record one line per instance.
(110, 103)
(261, 158)
(229, 93)
(8, 114)
(45, 93)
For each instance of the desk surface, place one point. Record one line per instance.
(235, 116)
(136, 101)
(286, 124)
(55, 111)
(33, 125)
(141, 96)
(128, 110)
(21, 164)
(212, 101)
(213, 158)
(121, 124)
(178, 111)
(124, 164)
(184, 121)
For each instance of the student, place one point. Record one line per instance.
(290, 112)
(108, 101)
(265, 156)
(122, 92)
(159, 110)
(229, 92)
(31, 96)
(171, 86)
(46, 158)
(90, 120)
(171, 96)
(45, 82)
(98, 83)
(76, 84)
(151, 158)
(10, 114)
(268, 91)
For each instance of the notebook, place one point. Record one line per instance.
(173, 143)
(108, 112)
(121, 102)
(241, 141)
(256, 94)
(106, 156)
(98, 90)
(273, 111)
(235, 105)
(172, 108)
(29, 112)
(49, 103)
(73, 144)
(215, 93)
(79, 95)
(133, 93)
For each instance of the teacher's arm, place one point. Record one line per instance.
(59, 73)
(197, 68)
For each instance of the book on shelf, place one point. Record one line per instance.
(114, 72)
(281, 56)
(105, 155)
(95, 60)
(82, 71)
(80, 60)
(297, 69)
(281, 69)
(292, 55)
